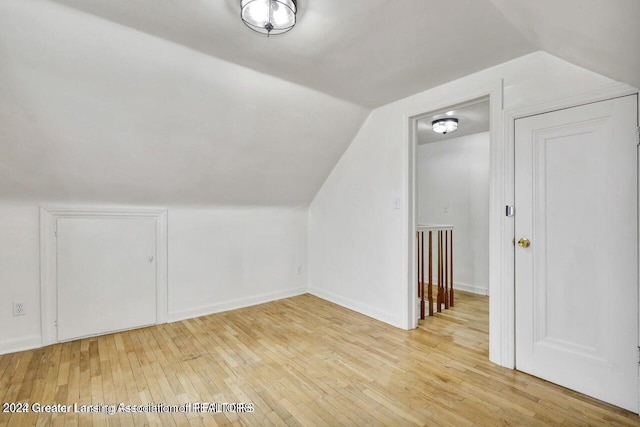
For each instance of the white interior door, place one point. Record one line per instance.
(577, 282)
(106, 278)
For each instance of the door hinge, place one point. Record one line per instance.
(55, 323)
(638, 355)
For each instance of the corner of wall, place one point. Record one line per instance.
(357, 306)
(235, 304)
(20, 344)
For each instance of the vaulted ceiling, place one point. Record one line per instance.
(600, 35)
(369, 52)
(376, 51)
(168, 101)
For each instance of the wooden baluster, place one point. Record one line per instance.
(439, 271)
(441, 265)
(446, 269)
(451, 275)
(418, 260)
(430, 290)
(422, 275)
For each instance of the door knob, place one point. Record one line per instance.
(524, 242)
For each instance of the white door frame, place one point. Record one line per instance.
(501, 193)
(48, 256)
(496, 221)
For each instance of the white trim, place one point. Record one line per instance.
(638, 231)
(48, 274)
(20, 344)
(433, 227)
(498, 227)
(235, 304)
(409, 221)
(357, 306)
(470, 288)
(502, 308)
(610, 91)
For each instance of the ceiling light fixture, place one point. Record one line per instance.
(269, 16)
(444, 126)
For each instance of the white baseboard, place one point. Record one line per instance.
(35, 341)
(470, 288)
(466, 288)
(20, 344)
(357, 306)
(235, 304)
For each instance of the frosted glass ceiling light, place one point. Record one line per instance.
(444, 126)
(269, 16)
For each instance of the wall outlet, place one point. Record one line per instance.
(19, 308)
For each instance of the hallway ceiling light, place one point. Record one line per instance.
(444, 126)
(269, 16)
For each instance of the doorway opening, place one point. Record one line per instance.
(452, 169)
(478, 117)
(500, 227)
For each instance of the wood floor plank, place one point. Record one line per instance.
(301, 361)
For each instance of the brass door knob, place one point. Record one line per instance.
(524, 242)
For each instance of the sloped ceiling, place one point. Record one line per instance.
(369, 52)
(600, 35)
(177, 102)
(91, 111)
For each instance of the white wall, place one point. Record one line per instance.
(219, 259)
(455, 174)
(95, 111)
(357, 241)
(19, 275)
(230, 257)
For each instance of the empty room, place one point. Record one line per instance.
(319, 212)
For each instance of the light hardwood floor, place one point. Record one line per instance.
(300, 361)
